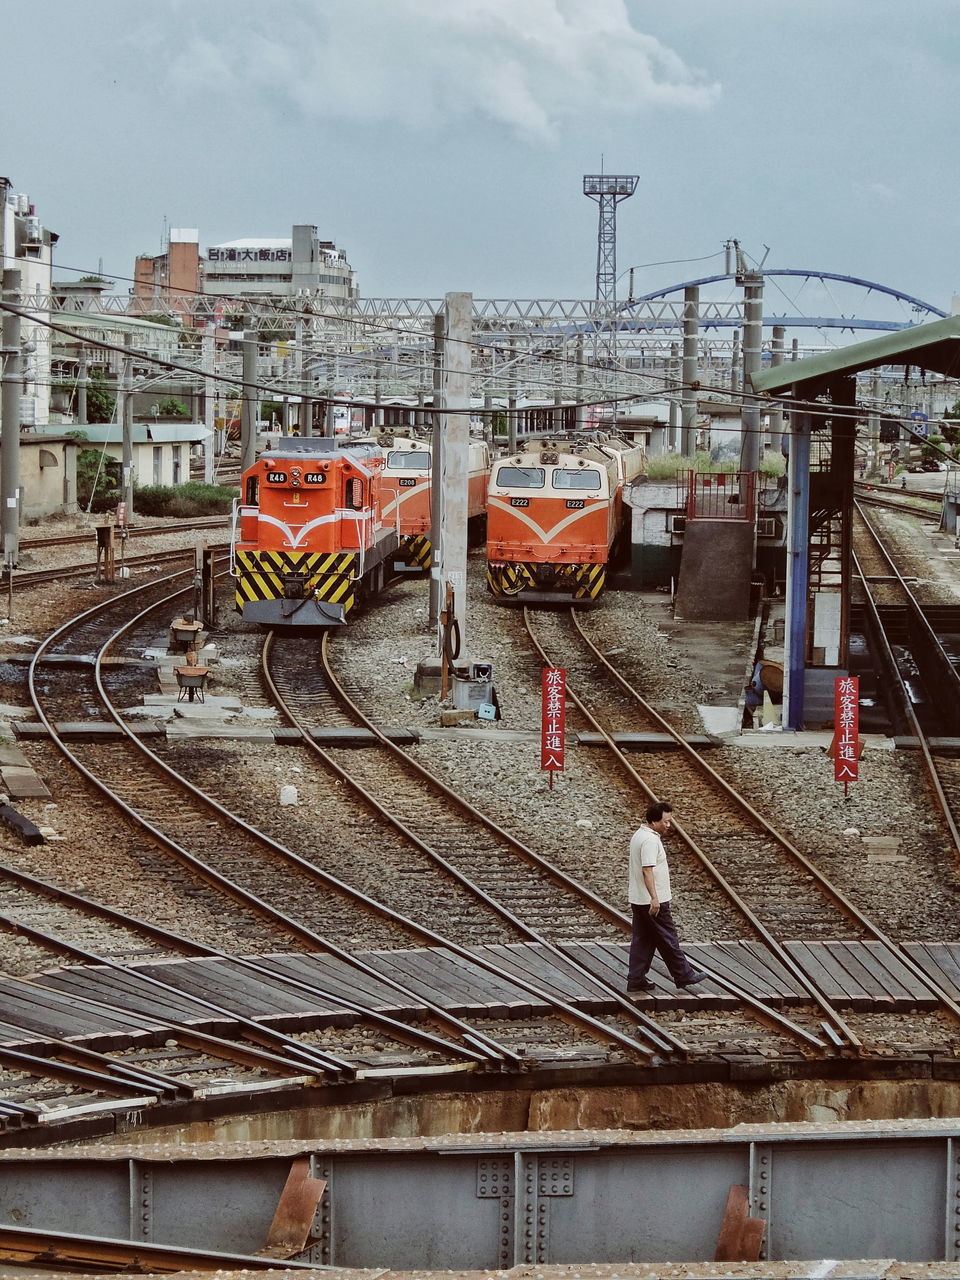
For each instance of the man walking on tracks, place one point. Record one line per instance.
(653, 927)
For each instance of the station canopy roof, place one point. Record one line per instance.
(934, 347)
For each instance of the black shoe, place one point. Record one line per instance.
(692, 979)
(643, 985)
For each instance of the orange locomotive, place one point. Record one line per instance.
(309, 534)
(556, 518)
(406, 486)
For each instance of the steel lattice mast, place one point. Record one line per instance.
(608, 189)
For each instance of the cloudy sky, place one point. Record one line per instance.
(442, 143)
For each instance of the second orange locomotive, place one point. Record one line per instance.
(556, 518)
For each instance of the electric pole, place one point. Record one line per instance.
(10, 419)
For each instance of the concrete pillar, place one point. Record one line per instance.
(436, 468)
(776, 359)
(512, 400)
(209, 353)
(306, 416)
(873, 428)
(458, 308)
(126, 418)
(83, 382)
(750, 448)
(581, 410)
(10, 417)
(674, 432)
(249, 404)
(688, 392)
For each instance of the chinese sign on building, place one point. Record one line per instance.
(846, 732)
(248, 255)
(552, 717)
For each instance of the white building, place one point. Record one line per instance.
(287, 268)
(27, 247)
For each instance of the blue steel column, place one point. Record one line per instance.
(798, 568)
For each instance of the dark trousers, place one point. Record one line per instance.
(655, 933)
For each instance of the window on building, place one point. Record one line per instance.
(158, 464)
(175, 453)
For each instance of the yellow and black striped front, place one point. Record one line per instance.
(296, 575)
(416, 551)
(547, 583)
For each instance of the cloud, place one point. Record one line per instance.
(530, 66)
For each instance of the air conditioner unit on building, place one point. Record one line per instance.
(768, 527)
(678, 524)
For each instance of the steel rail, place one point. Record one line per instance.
(124, 1072)
(947, 1001)
(901, 508)
(474, 1045)
(73, 1252)
(470, 1048)
(661, 1041)
(40, 577)
(905, 702)
(187, 946)
(862, 920)
(132, 530)
(841, 1031)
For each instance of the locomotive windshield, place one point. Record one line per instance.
(409, 459)
(579, 479)
(520, 477)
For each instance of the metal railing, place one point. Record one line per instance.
(706, 495)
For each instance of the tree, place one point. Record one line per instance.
(173, 408)
(100, 403)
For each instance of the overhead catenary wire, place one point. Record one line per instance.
(551, 358)
(814, 409)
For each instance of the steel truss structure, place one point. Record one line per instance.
(523, 349)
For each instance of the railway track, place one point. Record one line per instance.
(29, 543)
(458, 838)
(774, 887)
(174, 814)
(923, 505)
(448, 844)
(22, 580)
(884, 586)
(247, 865)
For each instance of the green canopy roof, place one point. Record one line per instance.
(934, 346)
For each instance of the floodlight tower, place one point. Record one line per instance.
(608, 189)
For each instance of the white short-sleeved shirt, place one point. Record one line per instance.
(646, 850)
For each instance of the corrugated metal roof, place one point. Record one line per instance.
(934, 346)
(143, 432)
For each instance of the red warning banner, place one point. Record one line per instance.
(552, 718)
(846, 728)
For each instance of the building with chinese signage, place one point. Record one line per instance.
(288, 267)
